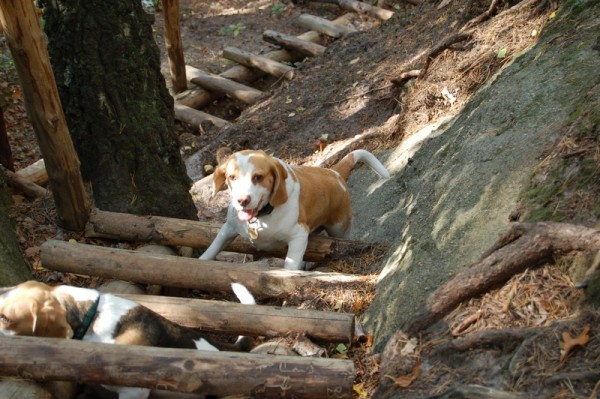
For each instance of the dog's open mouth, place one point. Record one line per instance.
(246, 215)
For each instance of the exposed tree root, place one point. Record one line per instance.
(524, 246)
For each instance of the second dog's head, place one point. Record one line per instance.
(32, 309)
(255, 179)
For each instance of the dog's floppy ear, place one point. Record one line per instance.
(219, 179)
(50, 320)
(279, 195)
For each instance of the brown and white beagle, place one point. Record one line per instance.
(37, 309)
(274, 204)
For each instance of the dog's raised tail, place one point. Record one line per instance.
(243, 294)
(345, 166)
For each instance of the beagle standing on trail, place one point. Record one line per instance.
(274, 204)
(36, 309)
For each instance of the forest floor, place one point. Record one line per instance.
(346, 97)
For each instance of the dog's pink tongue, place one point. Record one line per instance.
(246, 214)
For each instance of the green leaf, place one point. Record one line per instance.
(342, 349)
(502, 53)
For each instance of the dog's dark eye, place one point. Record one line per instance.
(4, 319)
(257, 178)
(231, 177)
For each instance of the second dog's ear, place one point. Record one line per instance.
(219, 179)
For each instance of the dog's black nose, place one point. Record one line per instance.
(244, 200)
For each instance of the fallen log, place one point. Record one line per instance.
(293, 43)
(324, 26)
(183, 370)
(6, 157)
(209, 81)
(264, 64)
(254, 320)
(524, 246)
(196, 118)
(35, 173)
(174, 271)
(196, 234)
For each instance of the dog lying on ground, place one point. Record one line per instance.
(274, 204)
(37, 309)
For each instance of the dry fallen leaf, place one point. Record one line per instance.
(404, 381)
(570, 343)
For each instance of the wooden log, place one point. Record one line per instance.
(254, 320)
(35, 173)
(293, 43)
(183, 370)
(198, 97)
(324, 26)
(196, 234)
(209, 81)
(207, 275)
(366, 8)
(196, 118)
(27, 45)
(264, 64)
(23, 185)
(173, 44)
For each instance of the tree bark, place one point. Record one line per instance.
(523, 247)
(180, 272)
(264, 64)
(324, 26)
(173, 45)
(117, 105)
(13, 269)
(19, 21)
(236, 319)
(6, 157)
(293, 43)
(196, 234)
(183, 370)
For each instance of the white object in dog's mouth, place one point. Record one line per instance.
(246, 215)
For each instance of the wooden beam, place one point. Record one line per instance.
(209, 81)
(324, 26)
(27, 44)
(23, 185)
(173, 44)
(289, 42)
(259, 62)
(174, 271)
(195, 117)
(196, 234)
(254, 320)
(183, 370)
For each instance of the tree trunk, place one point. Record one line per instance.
(117, 105)
(13, 269)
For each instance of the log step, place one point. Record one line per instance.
(207, 275)
(324, 26)
(183, 370)
(259, 62)
(289, 42)
(360, 7)
(232, 318)
(196, 234)
(195, 117)
(209, 81)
